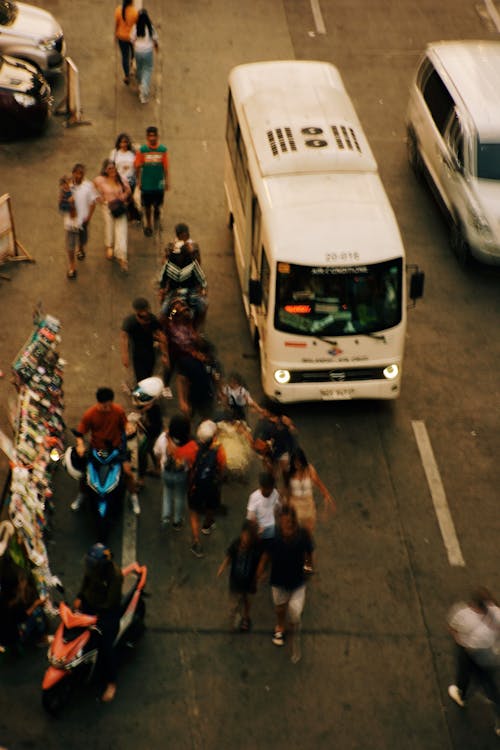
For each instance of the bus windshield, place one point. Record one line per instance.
(336, 301)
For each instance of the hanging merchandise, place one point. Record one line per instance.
(39, 427)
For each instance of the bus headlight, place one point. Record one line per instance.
(282, 376)
(391, 372)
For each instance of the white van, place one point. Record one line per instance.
(317, 247)
(453, 127)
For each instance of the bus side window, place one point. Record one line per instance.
(237, 150)
(232, 129)
(256, 220)
(265, 278)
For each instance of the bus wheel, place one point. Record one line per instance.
(230, 220)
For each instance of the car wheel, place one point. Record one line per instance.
(413, 153)
(459, 245)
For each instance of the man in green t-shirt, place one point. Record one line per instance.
(151, 163)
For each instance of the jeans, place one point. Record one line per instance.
(144, 61)
(127, 50)
(174, 494)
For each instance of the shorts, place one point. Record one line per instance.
(294, 599)
(203, 500)
(76, 238)
(152, 198)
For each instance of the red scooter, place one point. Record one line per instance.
(73, 652)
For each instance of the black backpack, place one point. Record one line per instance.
(204, 476)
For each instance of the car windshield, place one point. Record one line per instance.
(336, 301)
(488, 161)
(8, 12)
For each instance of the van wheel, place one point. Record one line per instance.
(414, 154)
(459, 245)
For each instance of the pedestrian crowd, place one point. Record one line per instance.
(129, 188)
(276, 538)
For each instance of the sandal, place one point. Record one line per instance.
(71, 274)
(278, 638)
(81, 255)
(245, 624)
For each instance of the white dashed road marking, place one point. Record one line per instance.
(438, 495)
(318, 17)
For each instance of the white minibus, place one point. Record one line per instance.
(317, 247)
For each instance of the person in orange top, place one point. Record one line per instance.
(125, 19)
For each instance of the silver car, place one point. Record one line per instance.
(31, 34)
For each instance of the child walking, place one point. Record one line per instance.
(242, 557)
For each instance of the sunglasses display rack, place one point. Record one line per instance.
(39, 429)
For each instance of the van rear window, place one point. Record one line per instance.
(488, 161)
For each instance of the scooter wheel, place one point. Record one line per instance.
(56, 698)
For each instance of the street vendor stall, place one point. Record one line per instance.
(35, 448)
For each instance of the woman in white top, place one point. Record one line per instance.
(144, 38)
(302, 479)
(114, 190)
(123, 155)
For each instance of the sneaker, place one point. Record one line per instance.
(197, 550)
(278, 638)
(134, 502)
(77, 503)
(177, 525)
(208, 529)
(165, 521)
(167, 392)
(456, 695)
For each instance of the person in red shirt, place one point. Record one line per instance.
(106, 421)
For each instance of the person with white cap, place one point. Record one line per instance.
(205, 483)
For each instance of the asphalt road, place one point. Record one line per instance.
(376, 655)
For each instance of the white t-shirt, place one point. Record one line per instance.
(85, 196)
(263, 508)
(143, 43)
(239, 395)
(474, 630)
(124, 163)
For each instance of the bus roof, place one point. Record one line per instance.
(330, 220)
(299, 118)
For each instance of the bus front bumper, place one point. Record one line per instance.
(351, 384)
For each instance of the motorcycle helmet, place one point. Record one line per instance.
(73, 463)
(97, 555)
(147, 390)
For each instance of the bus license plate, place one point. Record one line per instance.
(336, 394)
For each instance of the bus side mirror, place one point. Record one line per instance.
(417, 281)
(255, 292)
